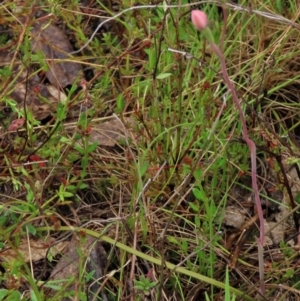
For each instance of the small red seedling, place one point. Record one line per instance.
(39, 160)
(16, 124)
(37, 89)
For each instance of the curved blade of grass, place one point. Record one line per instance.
(154, 260)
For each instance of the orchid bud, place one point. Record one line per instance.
(199, 19)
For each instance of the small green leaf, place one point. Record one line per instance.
(163, 75)
(83, 186)
(3, 293)
(5, 71)
(194, 207)
(74, 87)
(197, 221)
(184, 245)
(213, 208)
(144, 168)
(92, 147)
(152, 284)
(53, 286)
(71, 188)
(279, 6)
(61, 111)
(33, 296)
(84, 164)
(67, 194)
(13, 296)
(172, 240)
(30, 196)
(120, 103)
(198, 175)
(65, 140)
(3, 220)
(83, 173)
(139, 287)
(89, 276)
(31, 229)
(82, 296)
(80, 149)
(199, 194)
(61, 197)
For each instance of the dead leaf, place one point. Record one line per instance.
(68, 265)
(109, 133)
(234, 217)
(52, 42)
(34, 250)
(57, 94)
(41, 99)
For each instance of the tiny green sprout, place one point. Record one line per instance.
(62, 193)
(144, 284)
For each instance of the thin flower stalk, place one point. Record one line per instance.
(200, 21)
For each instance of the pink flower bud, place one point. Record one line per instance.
(199, 19)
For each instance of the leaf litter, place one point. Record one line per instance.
(33, 250)
(50, 40)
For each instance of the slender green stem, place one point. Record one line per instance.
(157, 261)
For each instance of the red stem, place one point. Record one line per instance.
(249, 142)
